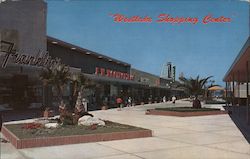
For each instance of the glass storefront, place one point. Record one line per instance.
(20, 87)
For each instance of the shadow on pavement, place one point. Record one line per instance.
(15, 115)
(239, 117)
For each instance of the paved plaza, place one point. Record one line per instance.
(204, 137)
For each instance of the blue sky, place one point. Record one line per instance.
(195, 49)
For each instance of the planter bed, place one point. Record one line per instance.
(184, 111)
(28, 138)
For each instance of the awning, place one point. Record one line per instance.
(215, 88)
(160, 87)
(237, 71)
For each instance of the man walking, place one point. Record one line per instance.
(129, 102)
(119, 103)
(173, 99)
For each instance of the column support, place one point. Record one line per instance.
(247, 82)
(238, 72)
(227, 95)
(233, 102)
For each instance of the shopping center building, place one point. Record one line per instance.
(23, 37)
(26, 50)
(114, 77)
(237, 80)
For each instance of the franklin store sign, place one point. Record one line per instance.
(40, 60)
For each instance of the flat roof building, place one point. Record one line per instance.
(237, 79)
(25, 50)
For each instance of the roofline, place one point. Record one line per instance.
(242, 51)
(80, 49)
(145, 72)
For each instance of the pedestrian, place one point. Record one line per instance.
(119, 103)
(150, 99)
(173, 99)
(129, 101)
(164, 99)
(85, 104)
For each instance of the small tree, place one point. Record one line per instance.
(194, 86)
(80, 82)
(58, 77)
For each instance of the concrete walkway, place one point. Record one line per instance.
(206, 137)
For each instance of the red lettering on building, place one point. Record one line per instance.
(127, 76)
(96, 70)
(118, 75)
(108, 72)
(113, 74)
(102, 71)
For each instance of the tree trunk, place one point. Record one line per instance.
(196, 104)
(59, 93)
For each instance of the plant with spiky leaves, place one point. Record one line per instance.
(81, 82)
(58, 77)
(194, 86)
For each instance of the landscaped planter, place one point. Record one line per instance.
(73, 139)
(184, 113)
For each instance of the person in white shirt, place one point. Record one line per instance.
(129, 101)
(164, 99)
(173, 99)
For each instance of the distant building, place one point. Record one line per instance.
(168, 71)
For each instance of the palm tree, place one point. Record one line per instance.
(80, 82)
(194, 86)
(58, 77)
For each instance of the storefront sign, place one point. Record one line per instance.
(41, 59)
(113, 74)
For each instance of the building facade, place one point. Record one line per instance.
(24, 24)
(112, 76)
(22, 43)
(237, 80)
(26, 50)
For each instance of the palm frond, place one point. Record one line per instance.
(194, 86)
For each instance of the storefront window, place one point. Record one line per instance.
(113, 90)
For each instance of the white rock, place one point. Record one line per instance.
(41, 121)
(88, 120)
(51, 125)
